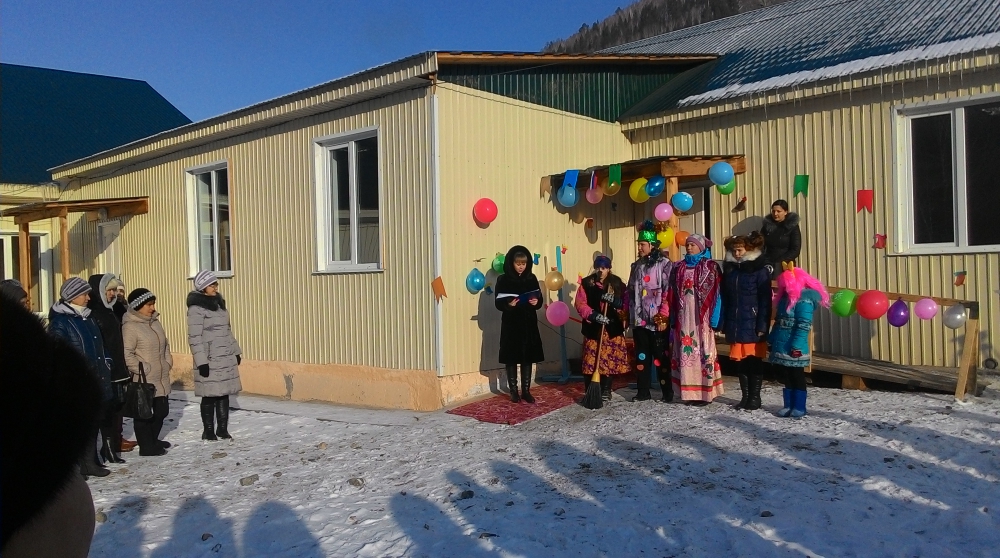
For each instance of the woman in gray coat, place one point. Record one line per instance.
(146, 346)
(216, 354)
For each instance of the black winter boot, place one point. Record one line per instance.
(643, 380)
(208, 418)
(108, 453)
(606, 388)
(512, 383)
(526, 383)
(744, 390)
(666, 390)
(89, 466)
(222, 416)
(755, 378)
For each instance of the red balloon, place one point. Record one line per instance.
(485, 211)
(872, 305)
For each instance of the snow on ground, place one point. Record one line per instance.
(865, 474)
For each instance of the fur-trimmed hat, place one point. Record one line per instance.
(204, 279)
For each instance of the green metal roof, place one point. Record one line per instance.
(49, 117)
(600, 90)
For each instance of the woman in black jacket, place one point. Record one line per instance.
(104, 296)
(519, 298)
(782, 238)
(746, 313)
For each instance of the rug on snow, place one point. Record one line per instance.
(548, 397)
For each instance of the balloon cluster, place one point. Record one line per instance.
(872, 305)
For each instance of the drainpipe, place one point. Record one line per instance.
(436, 220)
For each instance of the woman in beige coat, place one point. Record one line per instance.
(146, 346)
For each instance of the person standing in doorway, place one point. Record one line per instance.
(518, 297)
(146, 346)
(782, 237)
(101, 304)
(649, 312)
(601, 302)
(216, 354)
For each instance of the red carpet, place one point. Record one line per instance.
(548, 397)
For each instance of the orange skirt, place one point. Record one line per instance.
(739, 351)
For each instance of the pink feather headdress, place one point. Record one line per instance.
(793, 280)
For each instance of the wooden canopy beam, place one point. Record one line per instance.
(24, 258)
(47, 213)
(681, 168)
(115, 207)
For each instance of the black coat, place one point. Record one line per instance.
(591, 329)
(111, 328)
(520, 342)
(782, 241)
(746, 299)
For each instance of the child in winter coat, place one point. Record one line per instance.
(519, 298)
(746, 312)
(798, 295)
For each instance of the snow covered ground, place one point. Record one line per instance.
(865, 474)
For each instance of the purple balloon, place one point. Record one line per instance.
(898, 314)
(557, 313)
(925, 308)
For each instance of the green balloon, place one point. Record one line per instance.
(726, 189)
(498, 263)
(844, 303)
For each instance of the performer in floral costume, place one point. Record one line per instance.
(695, 309)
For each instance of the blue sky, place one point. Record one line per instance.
(212, 56)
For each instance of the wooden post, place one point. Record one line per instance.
(673, 186)
(24, 258)
(852, 382)
(64, 246)
(969, 363)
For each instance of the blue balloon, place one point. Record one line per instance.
(721, 173)
(682, 201)
(475, 281)
(567, 196)
(655, 186)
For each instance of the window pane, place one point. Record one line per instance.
(368, 225)
(933, 185)
(206, 221)
(225, 238)
(35, 255)
(340, 190)
(982, 149)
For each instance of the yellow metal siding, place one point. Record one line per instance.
(497, 147)
(844, 142)
(281, 309)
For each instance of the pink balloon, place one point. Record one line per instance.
(557, 313)
(595, 195)
(485, 211)
(663, 212)
(925, 308)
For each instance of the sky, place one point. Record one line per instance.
(211, 57)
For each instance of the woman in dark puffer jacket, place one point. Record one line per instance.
(782, 237)
(104, 296)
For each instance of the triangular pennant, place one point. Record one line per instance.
(570, 178)
(866, 200)
(801, 185)
(615, 174)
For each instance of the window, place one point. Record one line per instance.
(209, 220)
(947, 198)
(40, 289)
(347, 199)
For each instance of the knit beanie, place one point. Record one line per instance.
(699, 241)
(602, 261)
(73, 288)
(13, 289)
(139, 298)
(204, 279)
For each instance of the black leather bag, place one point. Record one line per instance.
(139, 397)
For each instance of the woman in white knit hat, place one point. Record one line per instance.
(215, 352)
(146, 346)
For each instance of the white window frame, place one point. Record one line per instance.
(45, 273)
(904, 243)
(194, 240)
(325, 219)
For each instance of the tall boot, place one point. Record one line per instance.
(109, 451)
(666, 388)
(526, 383)
(89, 467)
(755, 378)
(744, 385)
(208, 418)
(787, 409)
(222, 416)
(643, 378)
(798, 403)
(512, 383)
(606, 388)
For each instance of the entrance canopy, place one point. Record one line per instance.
(25, 214)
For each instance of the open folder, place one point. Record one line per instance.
(522, 298)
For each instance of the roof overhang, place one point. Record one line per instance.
(95, 209)
(465, 57)
(685, 169)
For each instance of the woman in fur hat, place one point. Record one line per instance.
(601, 302)
(649, 311)
(798, 295)
(695, 306)
(216, 354)
(746, 313)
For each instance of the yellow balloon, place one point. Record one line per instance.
(610, 189)
(637, 191)
(554, 280)
(666, 237)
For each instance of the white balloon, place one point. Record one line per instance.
(955, 316)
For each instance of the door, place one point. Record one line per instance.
(40, 287)
(110, 258)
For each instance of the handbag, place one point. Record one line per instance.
(139, 397)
